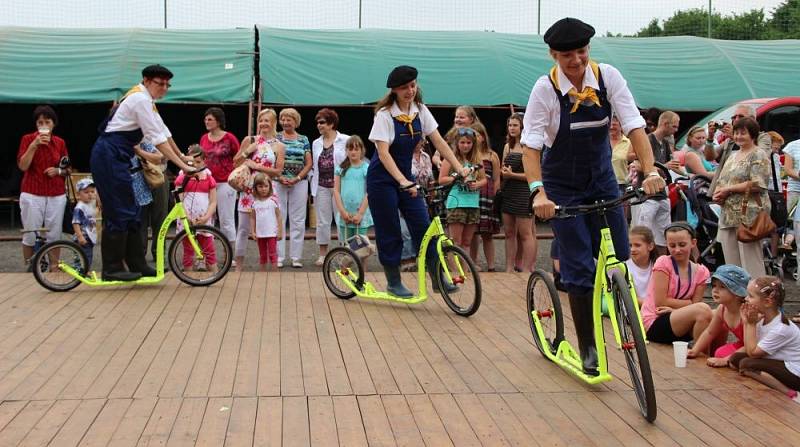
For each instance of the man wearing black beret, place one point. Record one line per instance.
(134, 118)
(567, 118)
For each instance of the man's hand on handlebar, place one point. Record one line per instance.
(543, 207)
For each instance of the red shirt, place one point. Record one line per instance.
(34, 180)
(219, 155)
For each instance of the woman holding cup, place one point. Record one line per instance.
(42, 194)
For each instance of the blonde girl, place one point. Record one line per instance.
(643, 257)
(350, 190)
(265, 214)
(488, 223)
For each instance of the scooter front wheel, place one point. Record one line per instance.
(342, 261)
(47, 265)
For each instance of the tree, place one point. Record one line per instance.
(651, 30)
(785, 21)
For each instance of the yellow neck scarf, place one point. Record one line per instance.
(408, 121)
(588, 93)
(135, 89)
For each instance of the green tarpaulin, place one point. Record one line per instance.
(480, 68)
(71, 65)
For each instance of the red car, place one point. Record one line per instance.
(779, 114)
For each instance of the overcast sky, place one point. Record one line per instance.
(508, 16)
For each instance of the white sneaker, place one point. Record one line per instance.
(296, 264)
(280, 264)
(320, 260)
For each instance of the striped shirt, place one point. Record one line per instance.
(34, 180)
(295, 154)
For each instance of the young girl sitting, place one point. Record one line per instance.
(264, 218)
(729, 289)
(200, 202)
(350, 191)
(463, 201)
(772, 342)
(643, 256)
(674, 308)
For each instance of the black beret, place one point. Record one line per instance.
(401, 75)
(568, 34)
(156, 71)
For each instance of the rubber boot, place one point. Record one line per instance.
(134, 254)
(432, 268)
(394, 283)
(581, 304)
(112, 249)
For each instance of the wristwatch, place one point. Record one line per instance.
(653, 174)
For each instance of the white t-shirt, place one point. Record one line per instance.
(641, 278)
(266, 221)
(781, 342)
(792, 150)
(383, 125)
(84, 214)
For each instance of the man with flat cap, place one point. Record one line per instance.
(568, 161)
(134, 118)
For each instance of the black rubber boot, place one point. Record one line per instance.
(581, 305)
(431, 265)
(112, 249)
(394, 283)
(134, 254)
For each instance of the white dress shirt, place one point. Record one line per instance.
(138, 111)
(383, 126)
(543, 113)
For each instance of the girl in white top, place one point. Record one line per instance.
(643, 256)
(264, 217)
(771, 343)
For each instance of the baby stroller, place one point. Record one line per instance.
(690, 202)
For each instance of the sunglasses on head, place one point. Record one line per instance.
(465, 131)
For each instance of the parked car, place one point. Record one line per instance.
(779, 114)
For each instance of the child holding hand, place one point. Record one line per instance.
(264, 218)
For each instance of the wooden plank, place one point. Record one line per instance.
(9, 410)
(539, 424)
(291, 358)
(758, 422)
(269, 422)
(50, 423)
(215, 422)
(159, 426)
(133, 423)
(512, 428)
(187, 423)
(140, 363)
(178, 376)
(568, 415)
(23, 422)
(615, 425)
(322, 421)
(454, 421)
(630, 413)
(102, 429)
(480, 420)
(246, 381)
(314, 381)
(401, 420)
(295, 421)
(335, 370)
(428, 421)
(241, 425)
(269, 365)
(225, 368)
(685, 418)
(349, 428)
(357, 371)
(376, 423)
(710, 416)
(79, 421)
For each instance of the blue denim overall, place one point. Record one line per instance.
(110, 164)
(577, 170)
(385, 198)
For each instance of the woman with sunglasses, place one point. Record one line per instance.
(401, 120)
(327, 152)
(134, 118)
(568, 112)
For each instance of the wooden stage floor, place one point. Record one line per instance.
(273, 358)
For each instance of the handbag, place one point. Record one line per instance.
(779, 212)
(152, 174)
(761, 227)
(240, 178)
(69, 207)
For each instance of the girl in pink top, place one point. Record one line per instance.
(200, 201)
(674, 307)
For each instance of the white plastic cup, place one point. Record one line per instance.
(680, 349)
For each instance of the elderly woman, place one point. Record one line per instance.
(220, 147)
(327, 151)
(261, 153)
(42, 198)
(291, 186)
(744, 176)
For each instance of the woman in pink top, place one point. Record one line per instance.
(674, 307)
(220, 147)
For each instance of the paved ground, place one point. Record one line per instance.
(11, 258)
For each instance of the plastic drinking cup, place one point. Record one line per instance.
(680, 349)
